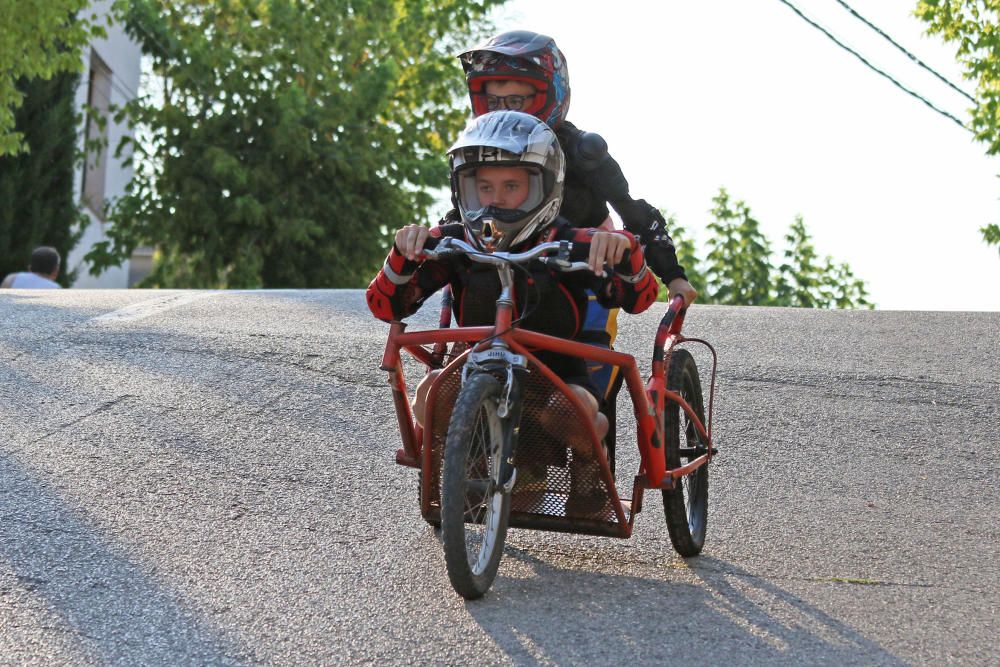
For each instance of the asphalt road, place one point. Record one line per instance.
(208, 478)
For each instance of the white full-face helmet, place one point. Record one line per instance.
(507, 139)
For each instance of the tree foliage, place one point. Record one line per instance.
(37, 203)
(287, 137)
(687, 252)
(802, 278)
(738, 264)
(738, 268)
(39, 39)
(806, 281)
(974, 27)
(843, 288)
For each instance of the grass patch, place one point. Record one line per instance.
(853, 580)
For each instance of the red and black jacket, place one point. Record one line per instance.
(550, 301)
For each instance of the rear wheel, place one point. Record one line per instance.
(474, 507)
(686, 506)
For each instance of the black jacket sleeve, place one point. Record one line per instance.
(588, 162)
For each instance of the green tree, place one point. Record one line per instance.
(801, 279)
(39, 39)
(738, 264)
(991, 234)
(842, 288)
(973, 26)
(287, 137)
(37, 203)
(738, 269)
(804, 281)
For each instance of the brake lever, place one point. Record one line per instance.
(561, 259)
(442, 248)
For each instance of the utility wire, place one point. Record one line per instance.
(909, 55)
(872, 67)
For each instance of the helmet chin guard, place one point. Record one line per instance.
(489, 236)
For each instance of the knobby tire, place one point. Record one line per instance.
(474, 509)
(686, 506)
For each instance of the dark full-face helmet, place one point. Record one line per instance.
(510, 139)
(526, 56)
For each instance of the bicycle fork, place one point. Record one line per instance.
(509, 368)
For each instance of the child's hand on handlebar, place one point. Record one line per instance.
(684, 288)
(606, 248)
(410, 241)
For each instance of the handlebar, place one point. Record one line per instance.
(672, 320)
(670, 325)
(677, 307)
(564, 264)
(452, 246)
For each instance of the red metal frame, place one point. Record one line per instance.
(648, 400)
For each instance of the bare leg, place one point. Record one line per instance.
(420, 399)
(600, 421)
(552, 424)
(587, 495)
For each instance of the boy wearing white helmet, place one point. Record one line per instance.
(507, 177)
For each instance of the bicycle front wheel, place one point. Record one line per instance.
(474, 507)
(686, 506)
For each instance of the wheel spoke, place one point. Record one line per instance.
(474, 510)
(479, 491)
(480, 487)
(474, 524)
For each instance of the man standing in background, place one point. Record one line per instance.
(41, 274)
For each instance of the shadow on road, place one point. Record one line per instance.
(65, 572)
(713, 612)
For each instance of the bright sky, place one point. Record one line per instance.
(744, 94)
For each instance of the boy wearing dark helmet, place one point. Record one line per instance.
(507, 178)
(526, 71)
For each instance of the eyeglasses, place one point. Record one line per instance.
(512, 102)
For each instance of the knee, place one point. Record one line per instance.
(587, 399)
(601, 425)
(599, 420)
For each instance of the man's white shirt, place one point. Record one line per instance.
(28, 280)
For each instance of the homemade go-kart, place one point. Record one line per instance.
(503, 436)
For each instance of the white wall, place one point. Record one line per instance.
(124, 57)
